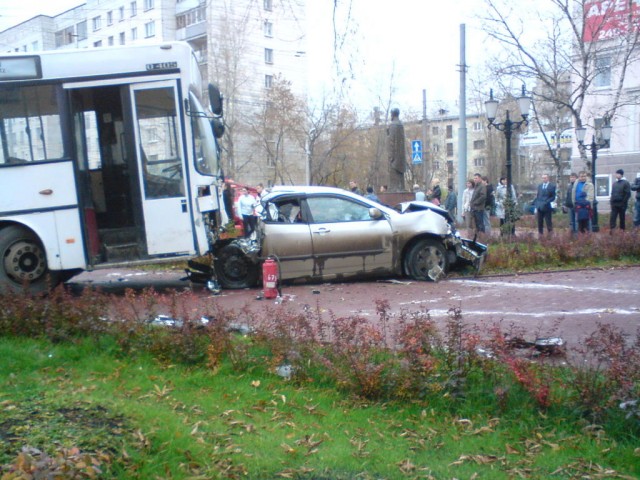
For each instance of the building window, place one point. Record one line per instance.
(98, 43)
(268, 55)
(435, 131)
(603, 72)
(450, 167)
(449, 149)
(436, 164)
(81, 30)
(478, 144)
(449, 131)
(110, 17)
(121, 13)
(477, 126)
(110, 41)
(268, 28)
(96, 22)
(134, 8)
(134, 33)
(268, 5)
(63, 37)
(35, 45)
(149, 29)
(268, 81)
(435, 148)
(148, 4)
(478, 162)
(191, 17)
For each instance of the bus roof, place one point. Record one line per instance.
(76, 64)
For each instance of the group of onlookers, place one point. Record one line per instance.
(480, 200)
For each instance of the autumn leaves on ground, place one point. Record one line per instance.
(93, 387)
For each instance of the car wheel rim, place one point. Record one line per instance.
(25, 261)
(428, 258)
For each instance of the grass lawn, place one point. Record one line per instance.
(142, 419)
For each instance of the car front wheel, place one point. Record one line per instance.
(426, 260)
(235, 269)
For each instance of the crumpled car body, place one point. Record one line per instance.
(324, 233)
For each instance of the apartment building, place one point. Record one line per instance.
(613, 76)
(244, 46)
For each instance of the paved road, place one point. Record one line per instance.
(569, 304)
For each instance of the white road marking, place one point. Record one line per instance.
(545, 286)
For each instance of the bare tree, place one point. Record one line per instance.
(279, 132)
(572, 41)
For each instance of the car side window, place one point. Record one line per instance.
(336, 210)
(285, 211)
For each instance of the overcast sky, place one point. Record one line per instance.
(416, 41)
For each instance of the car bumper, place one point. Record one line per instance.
(471, 253)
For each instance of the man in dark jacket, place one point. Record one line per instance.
(568, 203)
(545, 197)
(619, 200)
(478, 200)
(636, 215)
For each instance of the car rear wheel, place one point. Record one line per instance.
(235, 269)
(426, 260)
(23, 262)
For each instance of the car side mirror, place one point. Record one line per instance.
(375, 213)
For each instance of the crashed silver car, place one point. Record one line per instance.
(324, 233)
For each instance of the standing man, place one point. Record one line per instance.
(451, 202)
(636, 215)
(546, 195)
(420, 196)
(353, 186)
(396, 152)
(583, 185)
(490, 204)
(620, 195)
(478, 200)
(568, 203)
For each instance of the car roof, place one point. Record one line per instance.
(303, 190)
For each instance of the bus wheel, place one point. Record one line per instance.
(23, 262)
(235, 269)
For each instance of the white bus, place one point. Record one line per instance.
(107, 158)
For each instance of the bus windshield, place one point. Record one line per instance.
(30, 124)
(206, 153)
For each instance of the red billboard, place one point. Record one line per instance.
(607, 19)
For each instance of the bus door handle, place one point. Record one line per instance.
(183, 204)
(46, 191)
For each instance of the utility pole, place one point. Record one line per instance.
(425, 145)
(462, 132)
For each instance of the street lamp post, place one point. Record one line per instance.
(508, 127)
(593, 147)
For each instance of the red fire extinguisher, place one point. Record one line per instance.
(270, 278)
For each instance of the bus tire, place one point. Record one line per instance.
(235, 269)
(23, 262)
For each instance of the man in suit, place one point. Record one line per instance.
(544, 209)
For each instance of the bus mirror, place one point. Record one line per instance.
(218, 127)
(215, 99)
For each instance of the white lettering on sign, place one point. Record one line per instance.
(162, 66)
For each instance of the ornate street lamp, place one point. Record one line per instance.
(605, 141)
(508, 127)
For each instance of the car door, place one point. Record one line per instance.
(286, 235)
(346, 240)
